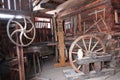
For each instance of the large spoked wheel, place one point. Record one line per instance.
(85, 46)
(21, 31)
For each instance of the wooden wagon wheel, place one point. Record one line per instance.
(85, 46)
(22, 28)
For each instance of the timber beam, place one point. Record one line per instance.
(42, 14)
(76, 10)
(88, 60)
(61, 44)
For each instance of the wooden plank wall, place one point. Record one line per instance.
(22, 5)
(6, 4)
(116, 6)
(18, 5)
(88, 15)
(0, 3)
(25, 5)
(43, 33)
(87, 18)
(12, 4)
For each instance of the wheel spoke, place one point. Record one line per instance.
(100, 53)
(80, 47)
(84, 44)
(79, 66)
(90, 43)
(18, 24)
(94, 46)
(21, 34)
(18, 30)
(98, 50)
(27, 36)
(22, 29)
(74, 60)
(27, 31)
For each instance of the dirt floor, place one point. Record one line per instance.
(49, 72)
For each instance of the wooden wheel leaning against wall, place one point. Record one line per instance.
(85, 46)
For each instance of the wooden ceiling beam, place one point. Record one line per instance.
(41, 14)
(59, 1)
(76, 10)
(68, 4)
(50, 5)
(36, 2)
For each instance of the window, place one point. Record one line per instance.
(42, 22)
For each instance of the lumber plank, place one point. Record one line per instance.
(87, 60)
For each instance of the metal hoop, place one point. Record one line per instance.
(22, 31)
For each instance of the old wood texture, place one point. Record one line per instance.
(98, 66)
(19, 7)
(1, 3)
(91, 13)
(43, 32)
(12, 4)
(97, 5)
(116, 4)
(97, 16)
(55, 27)
(25, 5)
(91, 17)
(86, 68)
(6, 4)
(116, 16)
(20, 63)
(79, 24)
(61, 44)
(88, 60)
(20, 57)
(82, 7)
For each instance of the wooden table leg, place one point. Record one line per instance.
(39, 66)
(34, 63)
(86, 68)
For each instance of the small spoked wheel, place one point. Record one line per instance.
(21, 31)
(85, 46)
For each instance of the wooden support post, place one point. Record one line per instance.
(38, 62)
(61, 44)
(55, 36)
(79, 24)
(21, 63)
(75, 25)
(116, 16)
(98, 66)
(34, 63)
(55, 29)
(20, 57)
(86, 68)
(52, 29)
